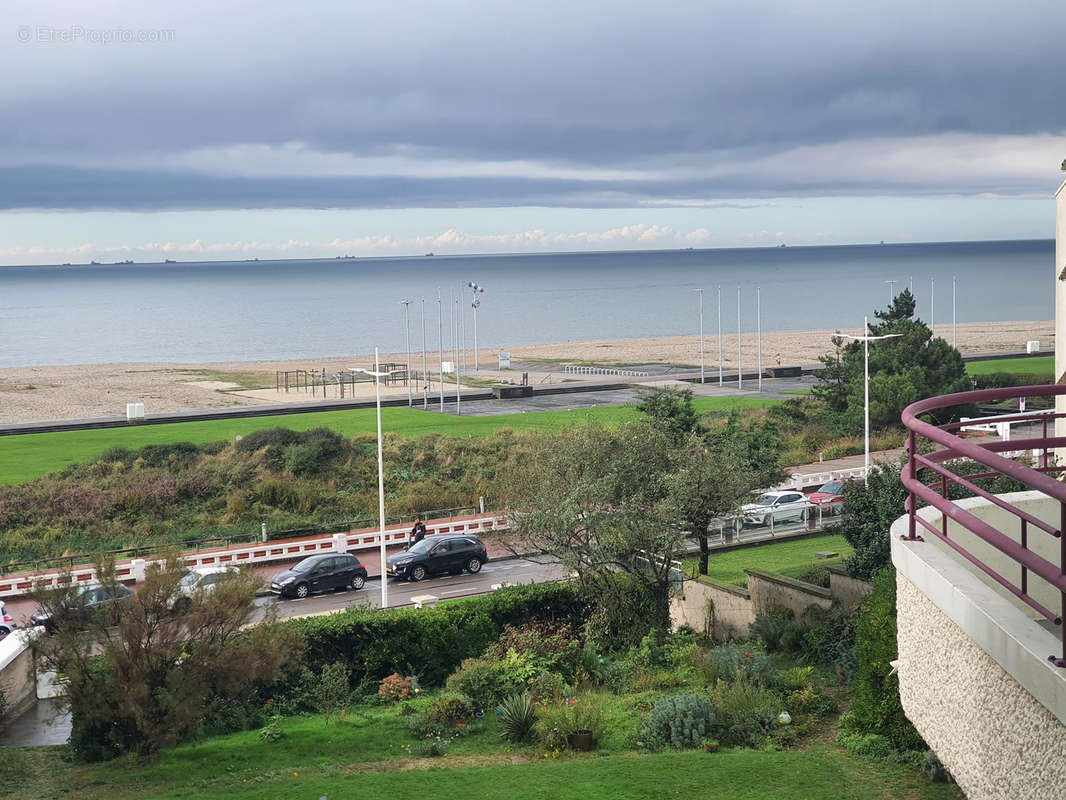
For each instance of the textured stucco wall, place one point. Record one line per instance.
(998, 741)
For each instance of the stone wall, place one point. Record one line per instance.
(999, 742)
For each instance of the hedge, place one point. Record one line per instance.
(431, 642)
(875, 703)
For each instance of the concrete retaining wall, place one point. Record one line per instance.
(17, 677)
(725, 612)
(770, 590)
(846, 590)
(715, 609)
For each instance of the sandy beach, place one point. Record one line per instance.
(77, 391)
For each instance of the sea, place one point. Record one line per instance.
(273, 310)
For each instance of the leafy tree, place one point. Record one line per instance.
(597, 499)
(707, 483)
(672, 409)
(757, 442)
(149, 672)
(902, 370)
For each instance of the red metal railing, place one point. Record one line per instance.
(948, 448)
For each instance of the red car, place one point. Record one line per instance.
(830, 496)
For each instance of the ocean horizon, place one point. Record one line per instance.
(188, 311)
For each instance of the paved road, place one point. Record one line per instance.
(516, 570)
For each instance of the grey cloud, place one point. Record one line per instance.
(597, 83)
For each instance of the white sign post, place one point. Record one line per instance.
(505, 360)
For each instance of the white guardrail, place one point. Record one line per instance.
(627, 373)
(804, 480)
(257, 553)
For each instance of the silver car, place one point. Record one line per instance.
(776, 508)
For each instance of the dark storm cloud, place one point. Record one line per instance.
(696, 94)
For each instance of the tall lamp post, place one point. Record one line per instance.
(740, 349)
(440, 346)
(866, 339)
(458, 370)
(377, 374)
(476, 304)
(407, 330)
(891, 291)
(758, 327)
(954, 330)
(721, 380)
(425, 385)
(703, 360)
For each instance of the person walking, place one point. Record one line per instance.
(418, 532)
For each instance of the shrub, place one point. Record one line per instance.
(483, 681)
(728, 662)
(518, 717)
(871, 745)
(556, 721)
(831, 639)
(681, 721)
(746, 710)
(272, 731)
(875, 706)
(448, 710)
(332, 691)
(430, 643)
(541, 645)
(769, 629)
(548, 686)
(617, 675)
(394, 688)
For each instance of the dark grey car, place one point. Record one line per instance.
(319, 574)
(436, 555)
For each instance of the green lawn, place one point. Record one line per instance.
(1034, 365)
(790, 557)
(29, 456)
(335, 766)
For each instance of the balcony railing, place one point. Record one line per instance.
(935, 448)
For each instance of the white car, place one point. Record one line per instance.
(778, 507)
(200, 579)
(7, 622)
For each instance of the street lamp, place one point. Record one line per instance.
(866, 383)
(720, 378)
(740, 350)
(425, 385)
(702, 359)
(891, 291)
(440, 346)
(476, 304)
(758, 327)
(377, 374)
(407, 329)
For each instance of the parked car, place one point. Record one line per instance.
(830, 495)
(436, 555)
(85, 599)
(778, 507)
(7, 622)
(319, 574)
(200, 579)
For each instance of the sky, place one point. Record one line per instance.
(208, 130)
